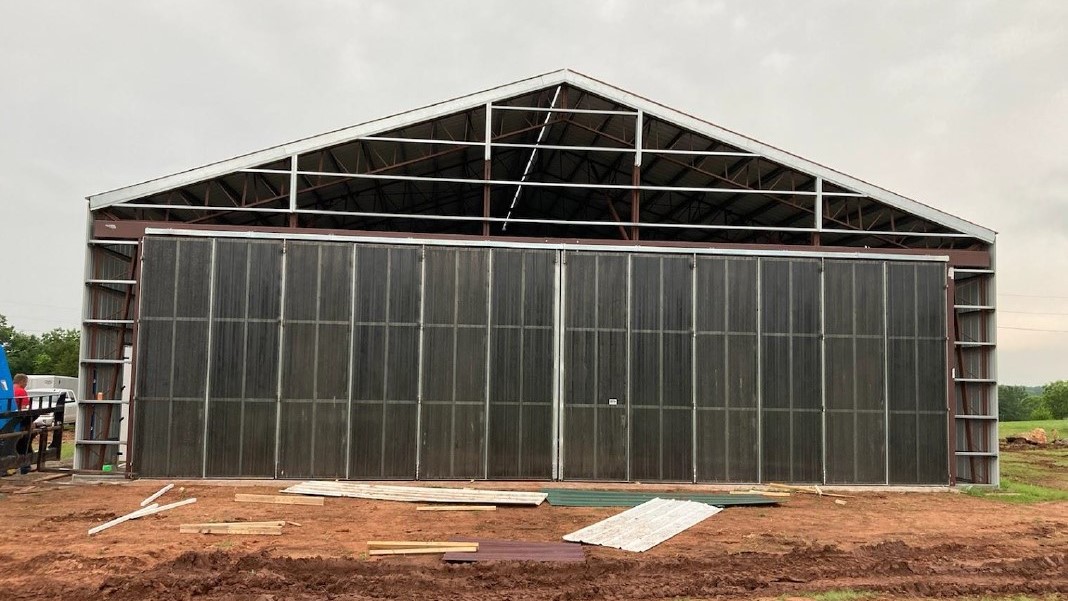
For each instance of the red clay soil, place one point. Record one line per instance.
(895, 544)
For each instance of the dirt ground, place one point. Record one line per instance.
(899, 545)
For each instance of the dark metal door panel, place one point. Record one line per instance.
(596, 354)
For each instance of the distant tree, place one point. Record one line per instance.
(54, 352)
(1013, 403)
(1055, 399)
(1041, 412)
(59, 349)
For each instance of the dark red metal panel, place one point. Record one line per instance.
(110, 229)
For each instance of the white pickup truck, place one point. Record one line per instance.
(45, 385)
(45, 397)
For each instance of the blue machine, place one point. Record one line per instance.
(7, 389)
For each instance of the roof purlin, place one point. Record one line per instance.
(525, 86)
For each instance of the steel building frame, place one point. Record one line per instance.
(560, 160)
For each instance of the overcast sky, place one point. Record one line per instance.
(961, 105)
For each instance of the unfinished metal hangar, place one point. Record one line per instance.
(551, 279)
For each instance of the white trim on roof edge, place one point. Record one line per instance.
(524, 86)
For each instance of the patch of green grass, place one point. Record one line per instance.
(1017, 492)
(844, 594)
(66, 452)
(1010, 428)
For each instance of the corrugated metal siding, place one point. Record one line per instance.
(645, 526)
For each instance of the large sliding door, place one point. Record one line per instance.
(326, 359)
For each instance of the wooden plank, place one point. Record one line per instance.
(766, 493)
(271, 524)
(414, 544)
(278, 499)
(812, 490)
(206, 529)
(172, 505)
(129, 516)
(456, 508)
(51, 477)
(140, 513)
(159, 493)
(424, 551)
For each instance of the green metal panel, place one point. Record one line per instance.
(569, 497)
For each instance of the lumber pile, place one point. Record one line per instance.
(415, 547)
(261, 528)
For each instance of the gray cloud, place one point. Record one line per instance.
(962, 105)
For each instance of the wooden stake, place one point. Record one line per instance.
(129, 516)
(765, 493)
(278, 499)
(172, 505)
(812, 490)
(207, 528)
(156, 495)
(415, 544)
(456, 508)
(272, 524)
(424, 551)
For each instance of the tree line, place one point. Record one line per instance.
(1017, 403)
(54, 353)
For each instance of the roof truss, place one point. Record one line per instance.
(544, 157)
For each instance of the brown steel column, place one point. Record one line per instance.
(134, 314)
(486, 169)
(635, 202)
(951, 388)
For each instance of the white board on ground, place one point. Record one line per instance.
(156, 495)
(124, 518)
(643, 527)
(416, 494)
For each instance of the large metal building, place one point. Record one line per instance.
(551, 279)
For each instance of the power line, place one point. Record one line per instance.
(35, 304)
(1031, 329)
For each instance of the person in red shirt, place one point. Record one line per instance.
(22, 398)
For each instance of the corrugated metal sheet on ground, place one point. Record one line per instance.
(643, 527)
(516, 550)
(418, 494)
(569, 497)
